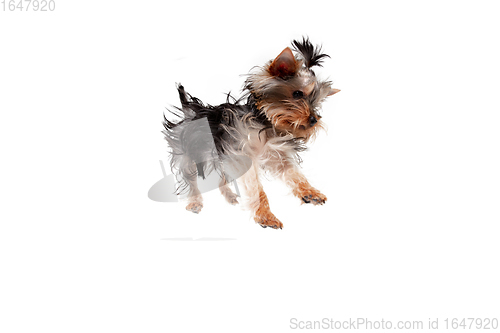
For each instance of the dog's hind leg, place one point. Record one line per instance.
(226, 191)
(189, 172)
(195, 200)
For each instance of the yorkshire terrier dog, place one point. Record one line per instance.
(277, 115)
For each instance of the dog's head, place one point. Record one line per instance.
(288, 92)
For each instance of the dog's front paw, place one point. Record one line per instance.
(194, 207)
(268, 220)
(313, 196)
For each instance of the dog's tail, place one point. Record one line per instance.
(183, 95)
(192, 107)
(185, 111)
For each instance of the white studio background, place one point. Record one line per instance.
(410, 167)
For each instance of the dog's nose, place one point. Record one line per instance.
(312, 120)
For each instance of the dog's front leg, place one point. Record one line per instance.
(300, 186)
(258, 202)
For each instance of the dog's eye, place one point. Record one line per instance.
(298, 94)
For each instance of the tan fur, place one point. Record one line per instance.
(195, 203)
(257, 200)
(301, 187)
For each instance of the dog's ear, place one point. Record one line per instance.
(333, 91)
(284, 65)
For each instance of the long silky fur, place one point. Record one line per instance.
(265, 125)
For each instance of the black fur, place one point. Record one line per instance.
(312, 55)
(219, 118)
(216, 115)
